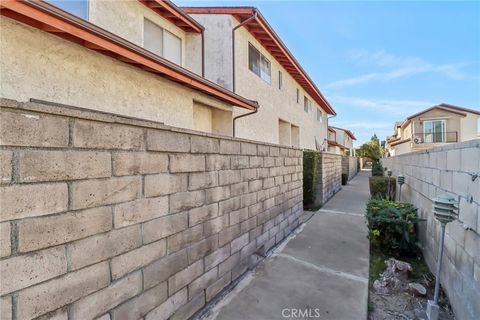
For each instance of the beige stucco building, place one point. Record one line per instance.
(436, 126)
(243, 54)
(340, 141)
(134, 58)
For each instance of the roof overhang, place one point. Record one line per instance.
(335, 144)
(446, 108)
(396, 143)
(175, 15)
(49, 18)
(347, 132)
(264, 33)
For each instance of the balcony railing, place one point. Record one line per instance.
(437, 137)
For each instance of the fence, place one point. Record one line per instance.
(453, 169)
(105, 214)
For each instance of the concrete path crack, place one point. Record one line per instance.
(324, 269)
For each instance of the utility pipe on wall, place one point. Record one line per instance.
(252, 17)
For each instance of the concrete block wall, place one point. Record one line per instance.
(110, 217)
(449, 169)
(349, 166)
(329, 180)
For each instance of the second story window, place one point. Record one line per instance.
(76, 7)
(162, 42)
(298, 96)
(307, 104)
(258, 64)
(319, 116)
(280, 80)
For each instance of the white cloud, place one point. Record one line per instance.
(400, 108)
(400, 67)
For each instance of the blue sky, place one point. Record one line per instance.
(378, 62)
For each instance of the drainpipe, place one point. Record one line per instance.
(244, 115)
(252, 17)
(203, 54)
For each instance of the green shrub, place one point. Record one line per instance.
(310, 170)
(377, 169)
(392, 226)
(379, 187)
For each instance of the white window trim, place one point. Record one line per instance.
(444, 133)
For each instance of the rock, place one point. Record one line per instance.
(394, 278)
(417, 289)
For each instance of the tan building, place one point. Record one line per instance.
(142, 59)
(340, 141)
(244, 54)
(436, 126)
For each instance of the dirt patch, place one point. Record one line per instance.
(398, 295)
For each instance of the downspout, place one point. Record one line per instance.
(326, 138)
(203, 54)
(252, 17)
(244, 115)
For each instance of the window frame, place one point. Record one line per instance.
(262, 60)
(307, 104)
(298, 96)
(319, 119)
(164, 31)
(434, 133)
(280, 80)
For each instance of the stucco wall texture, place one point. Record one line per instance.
(448, 169)
(38, 65)
(105, 216)
(274, 103)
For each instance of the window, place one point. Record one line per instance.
(162, 42)
(307, 105)
(295, 136)
(284, 133)
(298, 96)
(434, 131)
(75, 7)
(319, 116)
(258, 64)
(280, 80)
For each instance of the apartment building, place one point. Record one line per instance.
(340, 141)
(142, 59)
(244, 54)
(436, 126)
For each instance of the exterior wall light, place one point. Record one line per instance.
(445, 210)
(401, 181)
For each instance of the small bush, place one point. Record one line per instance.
(392, 226)
(310, 170)
(377, 169)
(344, 179)
(379, 187)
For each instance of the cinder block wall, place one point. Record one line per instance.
(106, 216)
(329, 180)
(437, 171)
(349, 166)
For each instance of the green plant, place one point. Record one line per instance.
(392, 226)
(379, 187)
(377, 169)
(310, 170)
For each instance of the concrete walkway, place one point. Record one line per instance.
(321, 273)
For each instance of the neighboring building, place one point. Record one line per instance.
(439, 125)
(340, 141)
(244, 54)
(141, 59)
